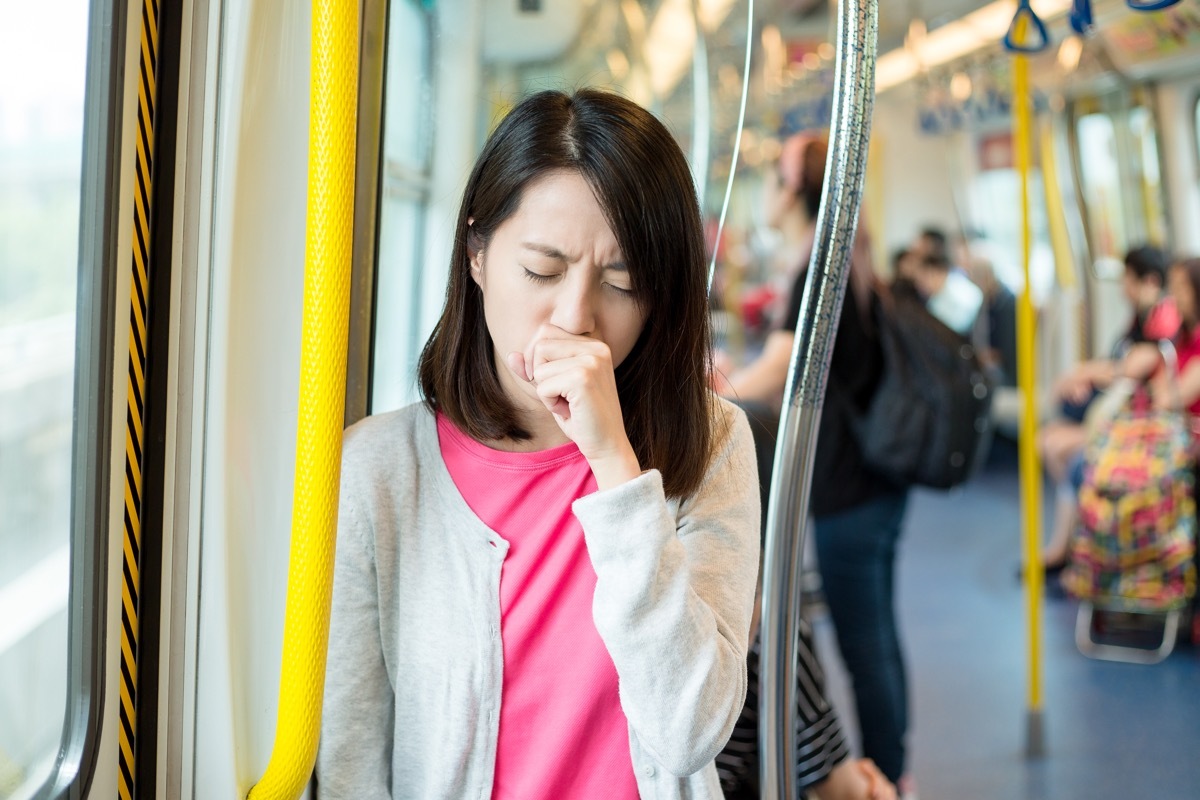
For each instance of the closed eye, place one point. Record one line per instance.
(538, 277)
(620, 290)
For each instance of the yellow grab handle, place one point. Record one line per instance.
(1056, 215)
(331, 137)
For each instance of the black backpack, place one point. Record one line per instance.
(928, 421)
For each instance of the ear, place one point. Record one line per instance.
(476, 261)
(474, 252)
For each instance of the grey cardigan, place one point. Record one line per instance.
(415, 661)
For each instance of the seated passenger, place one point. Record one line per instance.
(1155, 317)
(1183, 282)
(948, 293)
(1061, 443)
(546, 571)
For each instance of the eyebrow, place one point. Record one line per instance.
(558, 255)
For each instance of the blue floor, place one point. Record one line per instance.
(1112, 731)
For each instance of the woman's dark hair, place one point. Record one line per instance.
(1147, 262)
(644, 186)
(814, 175)
(802, 171)
(1190, 267)
(936, 239)
(802, 168)
(936, 261)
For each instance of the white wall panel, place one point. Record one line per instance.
(253, 380)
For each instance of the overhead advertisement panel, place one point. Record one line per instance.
(1160, 38)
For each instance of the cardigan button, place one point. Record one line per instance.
(648, 770)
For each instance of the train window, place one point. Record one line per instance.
(1146, 177)
(1123, 191)
(405, 188)
(41, 145)
(995, 197)
(1101, 184)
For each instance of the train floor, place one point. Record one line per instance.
(1112, 731)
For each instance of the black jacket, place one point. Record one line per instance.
(841, 480)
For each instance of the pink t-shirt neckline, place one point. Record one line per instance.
(449, 434)
(562, 732)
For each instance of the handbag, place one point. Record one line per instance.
(1107, 404)
(1135, 537)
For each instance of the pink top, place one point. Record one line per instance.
(1187, 349)
(562, 731)
(1163, 321)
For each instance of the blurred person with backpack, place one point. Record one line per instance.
(858, 513)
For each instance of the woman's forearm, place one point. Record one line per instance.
(765, 378)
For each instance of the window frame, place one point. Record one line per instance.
(95, 330)
(1196, 126)
(1117, 105)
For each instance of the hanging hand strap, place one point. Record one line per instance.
(1081, 18)
(1042, 36)
(1150, 5)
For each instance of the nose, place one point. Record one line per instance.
(575, 307)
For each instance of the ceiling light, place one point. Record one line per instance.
(1069, 53)
(671, 38)
(618, 64)
(960, 86)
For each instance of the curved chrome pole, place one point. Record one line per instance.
(820, 309)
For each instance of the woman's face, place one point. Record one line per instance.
(555, 262)
(1182, 293)
(1130, 286)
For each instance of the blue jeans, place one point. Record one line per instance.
(857, 553)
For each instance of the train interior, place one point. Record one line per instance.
(210, 98)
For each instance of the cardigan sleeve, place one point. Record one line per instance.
(674, 597)
(354, 759)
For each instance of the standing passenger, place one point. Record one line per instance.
(545, 571)
(857, 513)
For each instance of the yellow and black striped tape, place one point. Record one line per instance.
(135, 416)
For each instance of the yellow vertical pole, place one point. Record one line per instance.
(330, 223)
(1031, 486)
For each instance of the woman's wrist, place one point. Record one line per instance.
(613, 469)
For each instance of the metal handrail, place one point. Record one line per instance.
(816, 326)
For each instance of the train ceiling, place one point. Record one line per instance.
(647, 50)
